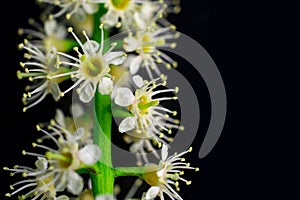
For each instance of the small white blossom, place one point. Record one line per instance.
(92, 67)
(71, 7)
(37, 183)
(167, 175)
(147, 44)
(47, 35)
(69, 156)
(148, 119)
(39, 67)
(127, 14)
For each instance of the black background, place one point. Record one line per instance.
(253, 46)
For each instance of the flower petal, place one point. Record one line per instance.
(127, 124)
(115, 58)
(124, 97)
(50, 26)
(86, 94)
(105, 87)
(77, 110)
(164, 152)
(90, 8)
(91, 46)
(104, 197)
(89, 154)
(110, 18)
(75, 183)
(138, 80)
(55, 91)
(62, 197)
(130, 44)
(135, 65)
(152, 192)
(60, 118)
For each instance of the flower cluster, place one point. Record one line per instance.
(69, 51)
(55, 169)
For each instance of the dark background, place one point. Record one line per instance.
(254, 47)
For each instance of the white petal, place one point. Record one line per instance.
(77, 110)
(105, 87)
(86, 94)
(164, 152)
(127, 124)
(110, 18)
(91, 46)
(60, 118)
(61, 32)
(89, 154)
(135, 65)
(55, 91)
(130, 44)
(90, 8)
(75, 183)
(161, 173)
(104, 197)
(124, 97)
(138, 80)
(115, 58)
(62, 197)
(41, 163)
(50, 26)
(79, 133)
(152, 192)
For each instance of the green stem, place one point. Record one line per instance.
(132, 171)
(103, 181)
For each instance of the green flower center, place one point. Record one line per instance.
(92, 67)
(120, 4)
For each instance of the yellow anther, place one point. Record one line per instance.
(188, 164)
(24, 109)
(176, 89)
(197, 169)
(52, 122)
(11, 187)
(181, 173)
(34, 144)
(118, 24)
(182, 160)
(20, 46)
(30, 79)
(5, 168)
(61, 94)
(38, 128)
(8, 195)
(101, 26)
(190, 149)
(24, 175)
(161, 135)
(188, 182)
(24, 152)
(169, 131)
(68, 16)
(70, 29)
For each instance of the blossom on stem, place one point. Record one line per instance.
(71, 7)
(126, 13)
(38, 184)
(167, 175)
(149, 118)
(38, 69)
(91, 69)
(79, 118)
(46, 35)
(70, 155)
(146, 44)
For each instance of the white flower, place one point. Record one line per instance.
(39, 67)
(68, 157)
(105, 197)
(167, 175)
(38, 184)
(146, 43)
(126, 13)
(70, 7)
(92, 67)
(148, 117)
(47, 35)
(79, 118)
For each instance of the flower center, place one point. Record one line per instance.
(92, 67)
(148, 46)
(65, 158)
(145, 103)
(120, 4)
